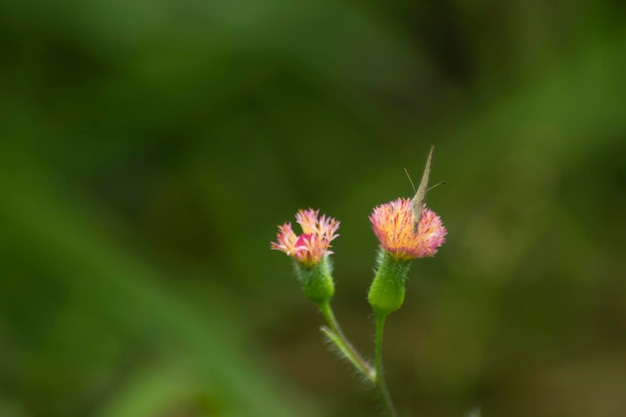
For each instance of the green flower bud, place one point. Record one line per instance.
(386, 293)
(317, 281)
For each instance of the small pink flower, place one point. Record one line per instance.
(310, 247)
(393, 226)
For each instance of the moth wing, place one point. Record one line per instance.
(419, 200)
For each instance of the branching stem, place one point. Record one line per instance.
(335, 334)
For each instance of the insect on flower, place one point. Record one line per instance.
(392, 223)
(419, 200)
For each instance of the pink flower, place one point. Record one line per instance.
(310, 247)
(393, 226)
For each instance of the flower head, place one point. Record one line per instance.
(310, 247)
(393, 226)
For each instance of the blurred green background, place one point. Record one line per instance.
(149, 148)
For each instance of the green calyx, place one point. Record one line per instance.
(317, 281)
(386, 293)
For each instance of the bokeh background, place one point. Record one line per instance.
(149, 148)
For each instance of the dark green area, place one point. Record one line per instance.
(149, 148)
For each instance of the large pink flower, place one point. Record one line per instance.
(393, 226)
(310, 247)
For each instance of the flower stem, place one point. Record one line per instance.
(381, 383)
(335, 334)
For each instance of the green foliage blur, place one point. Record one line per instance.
(149, 148)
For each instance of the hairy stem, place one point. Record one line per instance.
(381, 383)
(335, 334)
